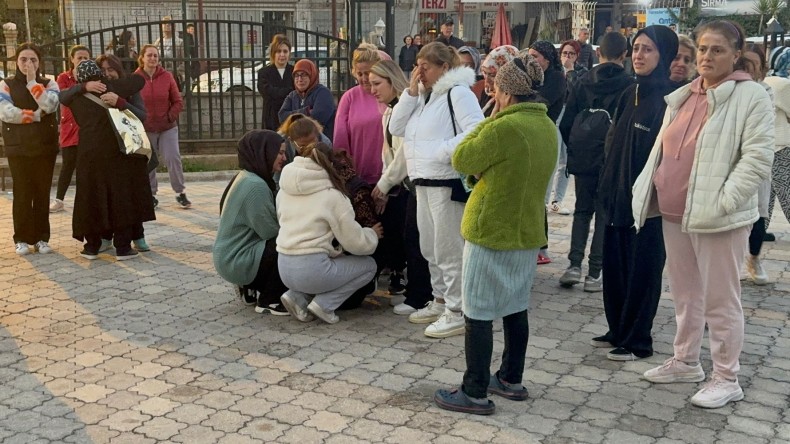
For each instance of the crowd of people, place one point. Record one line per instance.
(440, 170)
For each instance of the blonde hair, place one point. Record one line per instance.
(686, 42)
(438, 54)
(277, 40)
(141, 55)
(298, 125)
(387, 69)
(365, 53)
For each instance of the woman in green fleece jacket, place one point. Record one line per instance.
(245, 252)
(513, 153)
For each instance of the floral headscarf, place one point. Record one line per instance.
(549, 52)
(499, 56)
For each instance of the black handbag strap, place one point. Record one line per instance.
(452, 111)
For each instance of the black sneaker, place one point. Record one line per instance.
(769, 237)
(183, 201)
(601, 342)
(125, 254)
(275, 309)
(88, 254)
(397, 284)
(156, 202)
(249, 297)
(621, 354)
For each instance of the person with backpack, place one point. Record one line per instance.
(584, 126)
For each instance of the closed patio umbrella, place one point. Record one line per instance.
(501, 35)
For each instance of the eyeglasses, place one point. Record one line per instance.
(568, 53)
(301, 75)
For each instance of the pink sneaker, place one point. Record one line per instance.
(717, 393)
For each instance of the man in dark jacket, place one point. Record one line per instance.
(586, 56)
(598, 89)
(447, 36)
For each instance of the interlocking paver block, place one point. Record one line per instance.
(125, 420)
(90, 393)
(328, 422)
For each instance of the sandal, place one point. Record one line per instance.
(457, 401)
(543, 259)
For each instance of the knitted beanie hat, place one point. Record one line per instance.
(520, 76)
(88, 70)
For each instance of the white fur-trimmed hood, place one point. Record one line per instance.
(461, 75)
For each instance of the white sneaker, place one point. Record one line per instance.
(396, 300)
(717, 393)
(295, 308)
(426, 315)
(22, 248)
(403, 309)
(43, 247)
(675, 371)
(564, 211)
(55, 206)
(755, 271)
(327, 316)
(449, 324)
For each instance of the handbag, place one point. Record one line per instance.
(459, 191)
(129, 130)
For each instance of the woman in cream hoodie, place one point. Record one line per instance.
(313, 210)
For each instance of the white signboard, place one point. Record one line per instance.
(727, 7)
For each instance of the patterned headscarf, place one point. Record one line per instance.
(88, 70)
(780, 61)
(499, 56)
(520, 76)
(549, 52)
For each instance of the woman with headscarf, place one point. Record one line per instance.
(633, 262)
(554, 83)
(553, 90)
(310, 97)
(779, 82)
(110, 197)
(245, 251)
(497, 58)
(28, 102)
(513, 153)
(470, 57)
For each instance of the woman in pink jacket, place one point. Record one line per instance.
(163, 103)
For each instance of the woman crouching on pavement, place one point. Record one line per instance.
(313, 209)
(245, 252)
(513, 154)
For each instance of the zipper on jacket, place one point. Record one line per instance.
(695, 166)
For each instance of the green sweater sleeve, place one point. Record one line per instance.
(481, 149)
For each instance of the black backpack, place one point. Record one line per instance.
(586, 141)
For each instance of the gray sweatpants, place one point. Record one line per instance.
(331, 280)
(166, 146)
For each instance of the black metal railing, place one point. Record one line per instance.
(217, 75)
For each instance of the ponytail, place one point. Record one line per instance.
(321, 154)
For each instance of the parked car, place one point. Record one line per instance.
(244, 78)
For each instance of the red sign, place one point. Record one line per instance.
(434, 4)
(252, 36)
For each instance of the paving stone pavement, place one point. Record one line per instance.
(158, 349)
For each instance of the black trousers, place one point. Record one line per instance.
(418, 286)
(267, 282)
(393, 250)
(757, 236)
(32, 176)
(587, 205)
(479, 345)
(69, 155)
(632, 268)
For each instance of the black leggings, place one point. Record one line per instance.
(69, 155)
(756, 237)
(479, 345)
(267, 282)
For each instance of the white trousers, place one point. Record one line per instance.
(439, 223)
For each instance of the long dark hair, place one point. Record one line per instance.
(35, 49)
(115, 63)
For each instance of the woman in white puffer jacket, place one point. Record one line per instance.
(424, 119)
(714, 149)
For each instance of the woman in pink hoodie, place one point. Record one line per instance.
(714, 149)
(163, 103)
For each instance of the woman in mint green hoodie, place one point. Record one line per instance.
(245, 250)
(513, 154)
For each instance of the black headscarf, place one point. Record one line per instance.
(666, 41)
(258, 149)
(549, 52)
(88, 70)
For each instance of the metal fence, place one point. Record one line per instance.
(218, 72)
